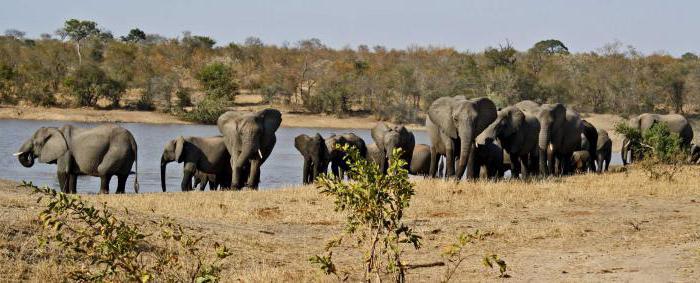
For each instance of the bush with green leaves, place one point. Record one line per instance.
(374, 205)
(657, 142)
(98, 246)
(207, 111)
(218, 80)
(88, 83)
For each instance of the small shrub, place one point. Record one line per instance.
(374, 205)
(661, 152)
(206, 112)
(217, 80)
(104, 248)
(184, 97)
(492, 261)
(88, 83)
(454, 255)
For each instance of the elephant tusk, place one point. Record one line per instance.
(260, 154)
(17, 153)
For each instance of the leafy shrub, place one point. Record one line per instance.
(207, 111)
(104, 248)
(374, 205)
(454, 253)
(217, 79)
(88, 83)
(661, 152)
(184, 97)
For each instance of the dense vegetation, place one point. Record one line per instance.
(82, 64)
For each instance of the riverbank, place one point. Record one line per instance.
(611, 227)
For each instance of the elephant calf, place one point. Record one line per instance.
(604, 152)
(103, 151)
(202, 179)
(207, 155)
(387, 137)
(316, 156)
(579, 160)
(339, 165)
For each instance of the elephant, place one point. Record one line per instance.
(387, 137)
(560, 130)
(249, 139)
(490, 157)
(201, 180)
(694, 156)
(676, 124)
(604, 151)
(590, 134)
(207, 155)
(517, 132)
(453, 123)
(316, 156)
(580, 159)
(102, 151)
(420, 161)
(339, 165)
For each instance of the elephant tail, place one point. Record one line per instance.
(136, 163)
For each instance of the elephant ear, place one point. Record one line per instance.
(228, 120)
(559, 112)
(486, 110)
(440, 113)
(301, 142)
(271, 119)
(179, 148)
(378, 133)
(54, 146)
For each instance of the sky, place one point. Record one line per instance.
(650, 26)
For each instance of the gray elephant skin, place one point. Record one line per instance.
(517, 132)
(420, 159)
(490, 157)
(676, 124)
(387, 137)
(560, 131)
(249, 139)
(453, 123)
(339, 165)
(316, 156)
(201, 180)
(103, 151)
(694, 156)
(604, 151)
(580, 159)
(207, 155)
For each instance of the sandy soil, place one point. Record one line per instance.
(611, 227)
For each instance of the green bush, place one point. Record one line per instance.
(95, 245)
(656, 142)
(374, 205)
(88, 83)
(207, 111)
(184, 97)
(217, 79)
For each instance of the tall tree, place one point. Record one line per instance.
(135, 35)
(78, 31)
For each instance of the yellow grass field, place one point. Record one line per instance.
(610, 227)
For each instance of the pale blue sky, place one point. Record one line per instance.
(650, 26)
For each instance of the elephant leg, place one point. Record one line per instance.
(104, 184)
(334, 169)
(524, 167)
(471, 171)
(515, 167)
(121, 183)
(187, 175)
(73, 183)
(62, 181)
(254, 174)
(203, 184)
(434, 158)
(449, 162)
(305, 172)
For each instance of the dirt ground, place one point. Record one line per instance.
(610, 227)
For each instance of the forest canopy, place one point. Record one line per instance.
(82, 64)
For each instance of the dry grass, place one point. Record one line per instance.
(618, 226)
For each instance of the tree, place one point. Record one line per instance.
(217, 79)
(18, 34)
(135, 35)
(77, 31)
(88, 83)
(550, 47)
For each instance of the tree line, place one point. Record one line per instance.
(82, 64)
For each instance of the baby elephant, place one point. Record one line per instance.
(316, 156)
(579, 160)
(201, 180)
(198, 154)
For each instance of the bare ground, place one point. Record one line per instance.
(612, 227)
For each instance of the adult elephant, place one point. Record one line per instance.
(103, 151)
(249, 139)
(207, 155)
(387, 137)
(604, 151)
(339, 165)
(560, 132)
(517, 132)
(676, 124)
(590, 134)
(316, 156)
(453, 123)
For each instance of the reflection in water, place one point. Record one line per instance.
(283, 168)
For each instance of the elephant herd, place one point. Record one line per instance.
(469, 138)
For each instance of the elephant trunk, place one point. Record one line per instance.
(465, 147)
(163, 164)
(249, 150)
(543, 144)
(25, 155)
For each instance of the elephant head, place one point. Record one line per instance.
(173, 151)
(47, 143)
(316, 156)
(551, 118)
(462, 120)
(249, 138)
(509, 121)
(627, 146)
(387, 137)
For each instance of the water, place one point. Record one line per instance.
(282, 169)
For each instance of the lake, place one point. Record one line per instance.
(282, 169)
